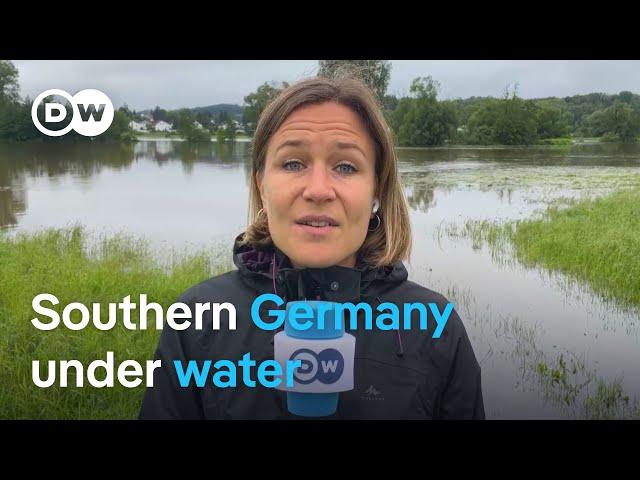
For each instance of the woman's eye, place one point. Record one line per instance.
(293, 165)
(345, 168)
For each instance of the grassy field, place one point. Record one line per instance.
(64, 263)
(596, 241)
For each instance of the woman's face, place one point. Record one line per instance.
(318, 185)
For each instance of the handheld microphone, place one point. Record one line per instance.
(327, 355)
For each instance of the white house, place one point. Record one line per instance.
(138, 126)
(198, 125)
(163, 126)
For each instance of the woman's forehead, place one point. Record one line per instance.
(326, 119)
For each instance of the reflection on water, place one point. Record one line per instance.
(12, 202)
(132, 188)
(521, 321)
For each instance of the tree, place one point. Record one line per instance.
(226, 132)
(204, 118)
(9, 87)
(15, 116)
(256, 102)
(159, 114)
(617, 122)
(552, 121)
(223, 117)
(424, 88)
(375, 73)
(390, 102)
(125, 109)
(389, 105)
(420, 120)
(506, 121)
(16, 123)
(119, 129)
(173, 117)
(186, 127)
(624, 121)
(625, 97)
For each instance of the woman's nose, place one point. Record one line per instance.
(319, 187)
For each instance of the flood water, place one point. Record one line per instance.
(183, 196)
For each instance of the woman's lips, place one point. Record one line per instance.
(316, 225)
(315, 231)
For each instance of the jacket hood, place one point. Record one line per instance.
(267, 266)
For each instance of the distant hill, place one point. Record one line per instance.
(234, 110)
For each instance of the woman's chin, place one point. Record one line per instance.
(318, 259)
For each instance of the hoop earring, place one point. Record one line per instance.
(377, 225)
(259, 213)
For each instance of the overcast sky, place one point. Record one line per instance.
(144, 84)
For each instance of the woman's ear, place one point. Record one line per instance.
(259, 184)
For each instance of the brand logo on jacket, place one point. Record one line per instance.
(372, 393)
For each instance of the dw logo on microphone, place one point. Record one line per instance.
(326, 366)
(92, 112)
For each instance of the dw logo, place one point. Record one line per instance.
(326, 366)
(92, 112)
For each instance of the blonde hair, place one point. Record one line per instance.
(391, 241)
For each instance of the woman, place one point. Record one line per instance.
(328, 220)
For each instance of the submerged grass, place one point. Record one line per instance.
(524, 178)
(561, 378)
(65, 263)
(594, 241)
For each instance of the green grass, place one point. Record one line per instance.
(69, 265)
(596, 241)
(559, 141)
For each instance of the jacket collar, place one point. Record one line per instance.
(261, 264)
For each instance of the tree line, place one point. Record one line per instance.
(418, 118)
(421, 119)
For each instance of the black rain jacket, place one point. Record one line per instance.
(399, 374)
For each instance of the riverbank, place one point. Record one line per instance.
(62, 262)
(595, 241)
(65, 263)
(151, 136)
